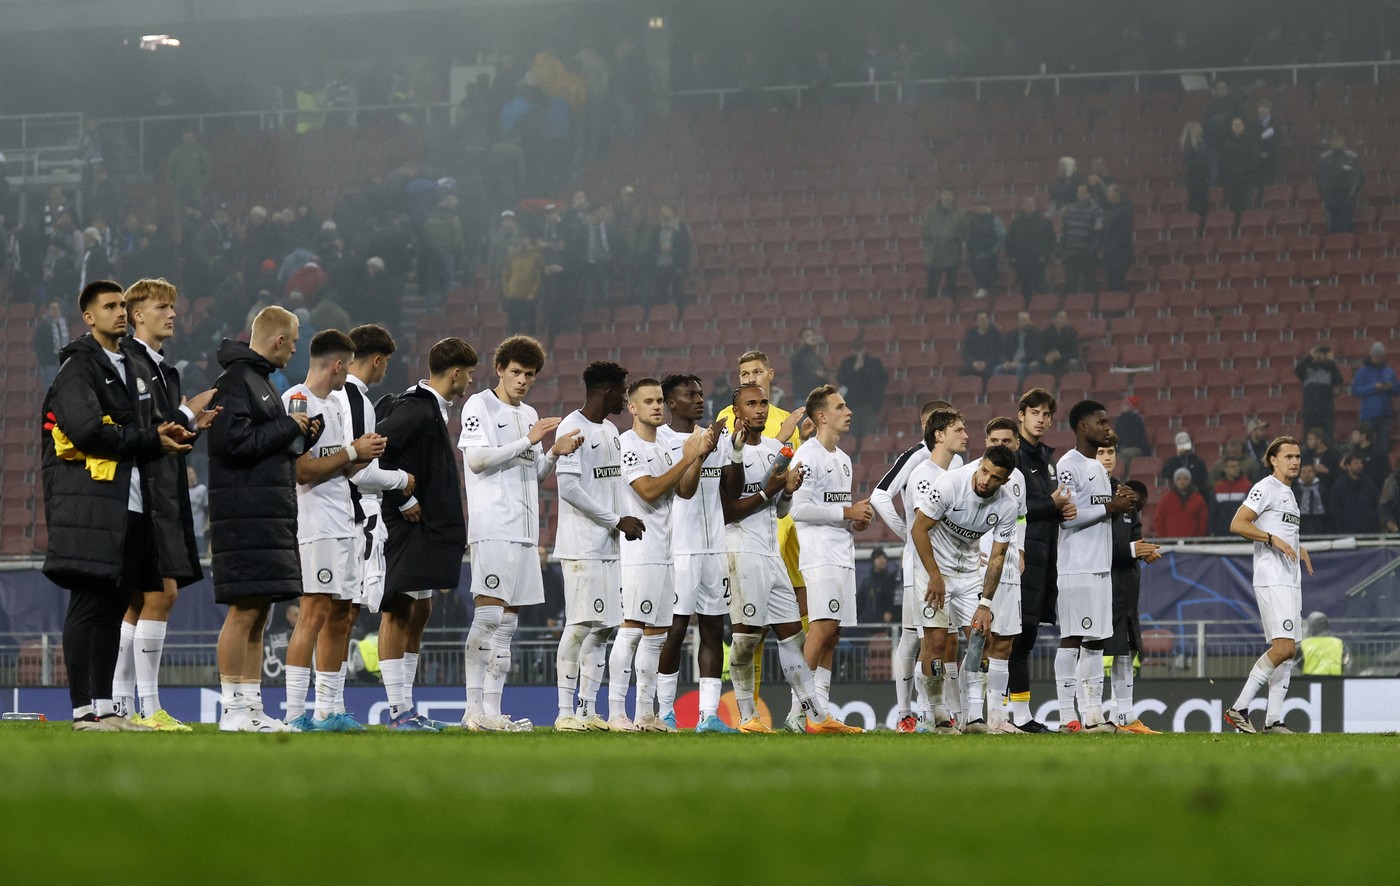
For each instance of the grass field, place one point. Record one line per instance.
(878, 808)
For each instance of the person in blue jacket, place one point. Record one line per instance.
(1376, 386)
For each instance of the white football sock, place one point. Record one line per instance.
(821, 682)
(1123, 689)
(953, 690)
(593, 662)
(624, 652)
(410, 673)
(997, 677)
(1278, 688)
(251, 693)
(325, 693)
(906, 659)
(800, 678)
(230, 699)
(498, 669)
(666, 685)
(149, 640)
(648, 654)
(298, 684)
(1258, 676)
(566, 666)
(1089, 673)
(124, 676)
(932, 683)
(741, 652)
(391, 670)
(1066, 683)
(339, 706)
(104, 707)
(479, 652)
(975, 682)
(710, 688)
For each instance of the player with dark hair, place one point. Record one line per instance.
(1047, 506)
(1270, 518)
(702, 568)
(1006, 614)
(591, 522)
(502, 448)
(1084, 560)
(426, 534)
(1128, 548)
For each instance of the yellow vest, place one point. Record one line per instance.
(1322, 656)
(369, 653)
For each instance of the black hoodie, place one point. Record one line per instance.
(253, 447)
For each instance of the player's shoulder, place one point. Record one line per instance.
(573, 420)
(812, 449)
(481, 401)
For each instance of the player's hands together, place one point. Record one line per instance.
(1124, 500)
(413, 514)
(631, 528)
(694, 448)
(711, 436)
(791, 423)
(541, 429)
(568, 443)
(173, 437)
(1147, 551)
(935, 592)
(369, 447)
(176, 431)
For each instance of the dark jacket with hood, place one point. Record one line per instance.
(1042, 525)
(253, 447)
(87, 517)
(428, 554)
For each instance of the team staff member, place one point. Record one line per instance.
(99, 444)
(253, 447)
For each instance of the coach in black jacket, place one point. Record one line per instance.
(1129, 548)
(427, 531)
(100, 546)
(253, 446)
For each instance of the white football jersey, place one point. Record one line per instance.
(961, 518)
(896, 484)
(1086, 543)
(698, 522)
(598, 465)
(503, 502)
(324, 509)
(1011, 570)
(369, 482)
(823, 533)
(758, 532)
(643, 459)
(1277, 508)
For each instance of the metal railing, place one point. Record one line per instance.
(1197, 648)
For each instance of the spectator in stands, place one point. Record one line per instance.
(1327, 464)
(1080, 226)
(1182, 513)
(981, 347)
(1312, 501)
(1376, 386)
(1132, 434)
(520, 284)
(808, 368)
(1239, 168)
(1257, 442)
(1363, 443)
(51, 335)
(1339, 179)
(1266, 140)
(379, 296)
(94, 264)
(1064, 190)
(1187, 458)
(1390, 503)
(1030, 245)
(1322, 380)
(502, 239)
(213, 251)
(1355, 499)
(1099, 180)
(308, 280)
(863, 378)
(944, 230)
(1059, 346)
(1117, 239)
(1197, 161)
(629, 229)
(876, 595)
(1021, 350)
(189, 168)
(1221, 110)
(556, 289)
(594, 259)
(666, 251)
(441, 247)
(985, 236)
(1234, 448)
(1230, 491)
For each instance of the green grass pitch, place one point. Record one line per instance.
(878, 808)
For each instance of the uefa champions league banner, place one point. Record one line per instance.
(1206, 582)
(1313, 705)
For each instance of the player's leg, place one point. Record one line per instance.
(932, 648)
(331, 644)
(149, 644)
(231, 649)
(1089, 676)
(124, 675)
(315, 609)
(742, 649)
(954, 692)
(581, 579)
(656, 625)
(620, 666)
(1067, 682)
(393, 638)
(1278, 686)
(1006, 626)
(688, 578)
(785, 618)
(593, 658)
(905, 661)
(1281, 626)
(974, 683)
(490, 611)
(712, 603)
(522, 582)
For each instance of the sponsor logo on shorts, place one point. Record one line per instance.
(834, 605)
(324, 576)
(1293, 519)
(646, 607)
(1087, 623)
(610, 471)
(493, 581)
(1288, 624)
(750, 610)
(963, 531)
(597, 604)
(843, 498)
(1100, 499)
(712, 473)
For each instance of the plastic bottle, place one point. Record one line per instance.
(297, 404)
(779, 464)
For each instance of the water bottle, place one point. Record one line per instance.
(297, 406)
(972, 659)
(779, 464)
(24, 715)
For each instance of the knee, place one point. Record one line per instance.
(1285, 647)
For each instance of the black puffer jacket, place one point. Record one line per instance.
(1042, 527)
(87, 517)
(167, 486)
(253, 446)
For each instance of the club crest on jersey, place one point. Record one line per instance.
(667, 457)
(845, 469)
(140, 385)
(610, 471)
(992, 519)
(843, 498)
(471, 423)
(493, 581)
(1016, 489)
(770, 456)
(631, 459)
(617, 442)
(1100, 499)
(1292, 519)
(646, 607)
(750, 610)
(324, 576)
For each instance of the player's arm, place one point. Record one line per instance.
(806, 509)
(882, 496)
(313, 469)
(690, 480)
(650, 488)
(923, 547)
(566, 442)
(571, 490)
(1243, 525)
(400, 428)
